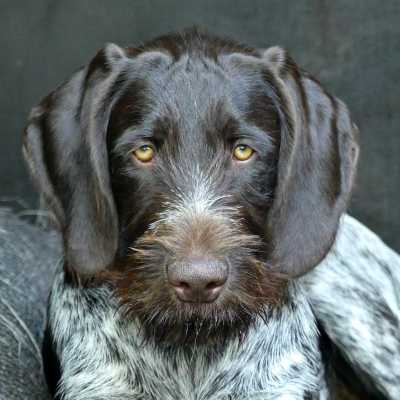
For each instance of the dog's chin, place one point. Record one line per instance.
(196, 325)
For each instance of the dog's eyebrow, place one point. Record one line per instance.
(132, 135)
(155, 132)
(253, 133)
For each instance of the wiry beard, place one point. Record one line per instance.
(208, 326)
(144, 295)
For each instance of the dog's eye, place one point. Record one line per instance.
(144, 153)
(242, 152)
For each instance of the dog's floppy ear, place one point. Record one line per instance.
(65, 148)
(317, 160)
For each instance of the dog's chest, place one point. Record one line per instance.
(252, 370)
(103, 356)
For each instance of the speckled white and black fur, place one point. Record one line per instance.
(353, 294)
(104, 355)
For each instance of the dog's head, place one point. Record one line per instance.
(195, 173)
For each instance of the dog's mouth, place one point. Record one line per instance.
(203, 325)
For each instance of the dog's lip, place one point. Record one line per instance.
(198, 306)
(195, 302)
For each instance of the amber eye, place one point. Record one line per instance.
(242, 152)
(144, 153)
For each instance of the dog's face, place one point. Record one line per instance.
(194, 168)
(195, 174)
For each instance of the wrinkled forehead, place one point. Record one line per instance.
(192, 96)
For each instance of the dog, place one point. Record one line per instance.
(194, 180)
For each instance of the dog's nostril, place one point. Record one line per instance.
(198, 292)
(182, 285)
(214, 285)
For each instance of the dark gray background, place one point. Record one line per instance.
(352, 46)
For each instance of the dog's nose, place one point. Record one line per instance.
(199, 280)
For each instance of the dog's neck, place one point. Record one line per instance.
(104, 355)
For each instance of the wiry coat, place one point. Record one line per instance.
(110, 359)
(353, 295)
(194, 207)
